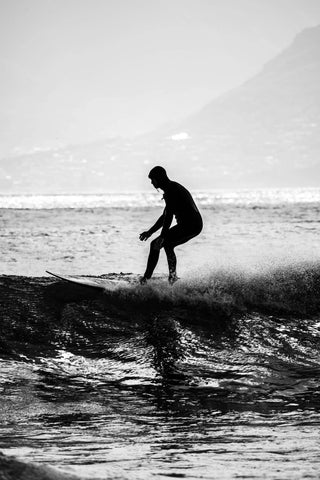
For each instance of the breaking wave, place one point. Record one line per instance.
(225, 341)
(289, 289)
(42, 313)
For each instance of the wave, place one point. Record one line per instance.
(242, 335)
(11, 468)
(288, 290)
(41, 313)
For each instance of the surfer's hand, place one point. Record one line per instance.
(144, 236)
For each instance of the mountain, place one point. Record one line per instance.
(264, 133)
(286, 91)
(270, 125)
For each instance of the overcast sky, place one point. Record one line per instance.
(77, 70)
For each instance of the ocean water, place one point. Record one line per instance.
(216, 377)
(98, 234)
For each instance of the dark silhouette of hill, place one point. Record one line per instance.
(270, 124)
(286, 93)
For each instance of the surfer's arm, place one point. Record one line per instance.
(168, 217)
(156, 226)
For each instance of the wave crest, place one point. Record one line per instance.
(287, 289)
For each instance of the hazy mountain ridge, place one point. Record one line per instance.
(263, 133)
(269, 126)
(294, 71)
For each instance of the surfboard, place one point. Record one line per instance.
(94, 282)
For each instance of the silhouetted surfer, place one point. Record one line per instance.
(179, 203)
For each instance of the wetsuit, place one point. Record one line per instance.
(179, 203)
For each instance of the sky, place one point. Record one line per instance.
(74, 71)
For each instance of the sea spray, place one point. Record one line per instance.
(289, 288)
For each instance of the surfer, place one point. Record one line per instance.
(179, 203)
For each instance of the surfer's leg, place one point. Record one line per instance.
(172, 263)
(152, 260)
(177, 235)
(174, 237)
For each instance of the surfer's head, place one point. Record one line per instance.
(158, 177)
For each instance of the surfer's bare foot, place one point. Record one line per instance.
(173, 278)
(143, 280)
